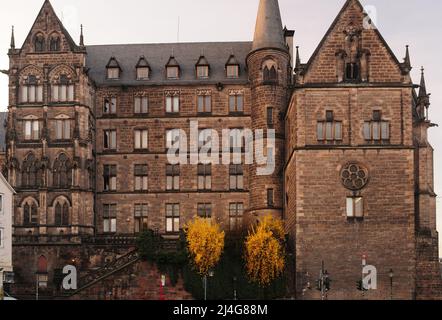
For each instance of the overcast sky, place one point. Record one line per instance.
(413, 22)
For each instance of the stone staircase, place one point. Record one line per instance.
(95, 276)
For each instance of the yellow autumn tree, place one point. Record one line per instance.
(205, 244)
(265, 252)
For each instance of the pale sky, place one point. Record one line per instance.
(401, 22)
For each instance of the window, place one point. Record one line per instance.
(39, 43)
(236, 177)
(110, 140)
(31, 90)
(237, 140)
(202, 72)
(377, 130)
(30, 172)
(205, 210)
(236, 103)
(61, 215)
(30, 215)
(270, 198)
(232, 71)
(355, 207)
(172, 177)
(204, 138)
(270, 116)
(172, 104)
(62, 175)
(1, 204)
(113, 73)
(236, 212)
(204, 177)
(141, 217)
(141, 177)
(63, 129)
(32, 129)
(110, 178)
(54, 44)
(2, 233)
(329, 130)
(172, 218)
(63, 90)
(172, 138)
(204, 104)
(173, 72)
(110, 106)
(270, 75)
(141, 139)
(110, 218)
(142, 73)
(352, 71)
(141, 105)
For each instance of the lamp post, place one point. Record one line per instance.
(234, 289)
(391, 275)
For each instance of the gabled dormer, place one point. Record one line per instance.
(202, 68)
(173, 69)
(113, 69)
(48, 34)
(143, 69)
(232, 67)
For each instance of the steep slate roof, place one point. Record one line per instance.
(187, 54)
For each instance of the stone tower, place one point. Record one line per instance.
(50, 134)
(269, 76)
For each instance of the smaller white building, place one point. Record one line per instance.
(6, 205)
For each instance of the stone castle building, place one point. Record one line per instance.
(89, 127)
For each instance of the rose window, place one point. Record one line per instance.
(354, 177)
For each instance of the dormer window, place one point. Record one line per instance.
(39, 43)
(202, 68)
(143, 69)
(172, 68)
(113, 69)
(232, 67)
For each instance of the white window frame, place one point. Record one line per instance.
(355, 207)
(173, 104)
(31, 129)
(232, 71)
(141, 105)
(141, 137)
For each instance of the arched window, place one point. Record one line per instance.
(62, 172)
(54, 44)
(39, 43)
(30, 172)
(30, 213)
(270, 74)
(61, 214)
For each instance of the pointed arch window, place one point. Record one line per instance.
(62, 175)
(61, 214)
(30, 173)
(30, 214)
(39, 43)
(54, 43)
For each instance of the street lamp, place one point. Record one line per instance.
(234, 288)
(391, 275)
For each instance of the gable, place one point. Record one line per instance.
(48, 26)
(325, 66)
